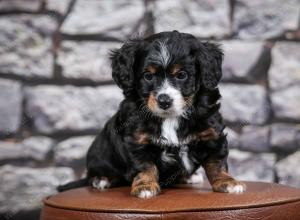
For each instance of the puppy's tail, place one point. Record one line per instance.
(73, 185)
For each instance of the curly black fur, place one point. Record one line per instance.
(115, 153)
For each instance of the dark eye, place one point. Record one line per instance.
(181, 75)
(148, 76)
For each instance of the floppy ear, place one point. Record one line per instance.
(123, 66)
(209, 58)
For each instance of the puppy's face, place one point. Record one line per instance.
(167, 77)
(166, 71)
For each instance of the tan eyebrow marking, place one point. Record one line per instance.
(151, 69)
(175, 69)
(152, 104)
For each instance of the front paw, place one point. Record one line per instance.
(229, 186)
(145, 190)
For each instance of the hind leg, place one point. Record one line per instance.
(101, 183)
(101, 176)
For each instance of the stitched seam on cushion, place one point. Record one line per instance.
(174, 211)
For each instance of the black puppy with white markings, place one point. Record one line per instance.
(169, 123)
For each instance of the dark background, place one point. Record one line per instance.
(56, 89)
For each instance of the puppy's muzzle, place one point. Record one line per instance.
(164, 101)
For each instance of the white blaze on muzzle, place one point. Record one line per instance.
(177, 107)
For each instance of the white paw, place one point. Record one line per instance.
(196, 178)
(101, 184)
(239, 188)
(146, 194)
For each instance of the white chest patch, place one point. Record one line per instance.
(169, 131)
(183, 154)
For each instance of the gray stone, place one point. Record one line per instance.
(35, 147)
(285, 136)
(60, 6)
(285, 68)
(233, 138)
(10, 105)
(201, 18)
(255, 138)
(86, 60)
(20, 5)
(118, 19)
(286, 103)
(70, 108)
(244, 103)
(265, 19)
(24, 188)
(288, 170)
(252, 167)
(240, 59)
(10, 151)
(72, 152)
(25, 45)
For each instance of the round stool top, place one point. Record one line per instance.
(182, 198)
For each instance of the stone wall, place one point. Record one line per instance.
(56, 89)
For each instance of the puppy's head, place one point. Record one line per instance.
(166, 71)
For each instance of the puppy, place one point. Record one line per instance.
(168, 124)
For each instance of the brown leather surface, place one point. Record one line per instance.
(278, 212)
(50, 213)
(260, 201)
(289, 211)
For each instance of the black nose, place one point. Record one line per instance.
(164, 101)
